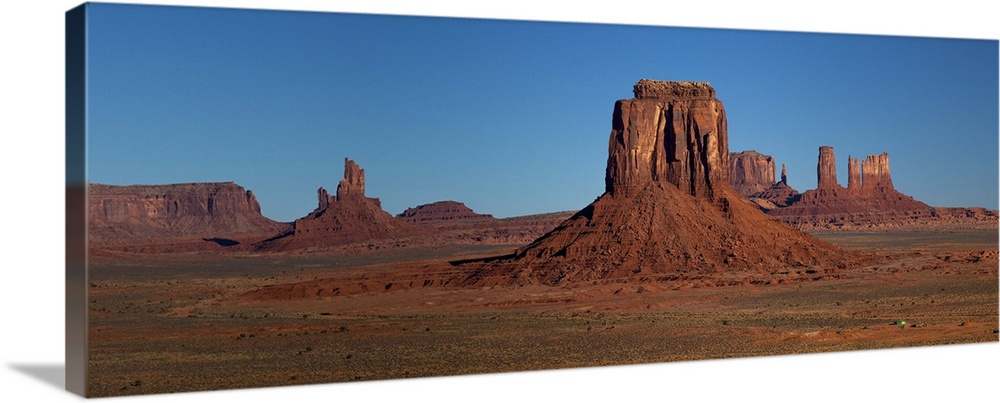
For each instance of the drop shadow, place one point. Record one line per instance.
(52, 374)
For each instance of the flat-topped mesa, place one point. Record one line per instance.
(826, 169)
(143, 214)
(671, 132)
(353, 184)
(875, 173)
(750, 172)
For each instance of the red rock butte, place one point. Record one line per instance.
(751, 172)
(668, 210)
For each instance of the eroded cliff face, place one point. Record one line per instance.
(875, 175)
(671, 132)
(353, 183)
(853, 174)
(668, 211)
(143, 213)
(751, 172)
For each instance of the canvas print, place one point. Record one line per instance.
(264, 198)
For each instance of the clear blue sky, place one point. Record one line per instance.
(511, 118)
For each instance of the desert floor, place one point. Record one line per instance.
(186, 322)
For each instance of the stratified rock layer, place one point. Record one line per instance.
(141, 215)
(668, 211)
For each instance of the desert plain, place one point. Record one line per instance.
(188, 322)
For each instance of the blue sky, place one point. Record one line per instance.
(511, 118)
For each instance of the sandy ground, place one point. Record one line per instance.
(195, 322)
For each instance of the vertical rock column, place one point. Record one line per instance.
(875, 173)
(853, 174)
(826, 169)
(353, 184)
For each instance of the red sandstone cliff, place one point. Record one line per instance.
(750, 172)
(668, 210)
(669, 133)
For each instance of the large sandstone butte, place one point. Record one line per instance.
(348, 217)
(668, 211)
(150, 214)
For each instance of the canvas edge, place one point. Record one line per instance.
(76, 201)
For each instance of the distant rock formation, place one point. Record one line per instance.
(142, 215)
(751, 172)
(441, 212)
(668, 211)
(350, 217)
(869, 199)
(458, 224)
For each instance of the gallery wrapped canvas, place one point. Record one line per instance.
(268, 198)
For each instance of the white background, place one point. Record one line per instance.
(31, 229)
